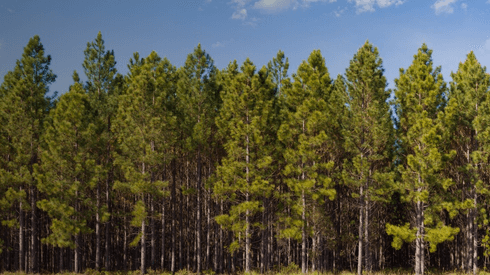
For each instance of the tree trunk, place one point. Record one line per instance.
(247, 218)
(360, 247)
(475, 233)
(77, 239)
(153, 240)
(208, 232)
(108, 201)
(143, 247)
(162, 259)
(97, 230)
(198, 212)
(304, 267)
(34, 233)
(22, 251)
(172, 263)
(419, 245)
(367, 253)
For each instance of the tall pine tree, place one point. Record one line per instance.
(420, 99)
(24, 94)
(303, 132)
(368, 133)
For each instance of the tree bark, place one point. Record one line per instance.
(198, 213)
(304, 267)
(21, 237)
(97, 230)
(34, 233)
(143, 247)
(360, 246)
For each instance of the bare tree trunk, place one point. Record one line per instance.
(304, 267)
(419, 245)
(208, 231)
(153, 240)
(77, 239)
(367, 253)
(198, 212)
(34, 232)
(247, 238)
(62, 258)
(22, 251)
(162, 259)
(108, 201)
(360, 247)
(143, 247)
(247, 218)
(181, 235)
(475, 233)
(125, 246)
(97, 230)
(172, 264)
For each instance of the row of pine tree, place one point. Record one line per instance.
(243, 168)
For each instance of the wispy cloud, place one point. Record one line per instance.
(239, 14)
(240, 10)
(279, 5)
(464, 6)
(369, 5)
(444, 6)
(339, 11)
(222, 44)
(274, 5)
(486, 47)
(218, 45)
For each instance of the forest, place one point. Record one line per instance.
(244, 169)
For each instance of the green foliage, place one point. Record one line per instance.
(244, 174)
(420, 101)
(401, 234)
(368, 128)
(67, 172)
(302, 132)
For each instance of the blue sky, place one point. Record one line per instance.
(237, 29)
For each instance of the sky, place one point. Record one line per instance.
(236, 29)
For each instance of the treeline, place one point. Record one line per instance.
(243, 168)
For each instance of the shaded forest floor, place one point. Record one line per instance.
(282, 272)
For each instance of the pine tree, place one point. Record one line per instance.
(368, 132)
(66, 175)
(99, 67)
(420, 99)
(198, 99)
(469, 90)
(24, 93)
(303, 133)
(244, 174)
(144, 125)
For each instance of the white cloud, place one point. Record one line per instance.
(273, 5)
(464, 6)
(239, 14)
(444, 6)
(239, 3)
(486, 47)
(339, 12)
(368, 5)
(217, 45)
(279, 5)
